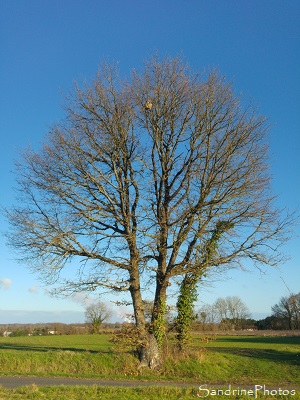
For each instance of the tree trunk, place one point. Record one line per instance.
(159, 312)
(185, 309)
(148, 351)
(149, 354)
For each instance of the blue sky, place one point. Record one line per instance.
(46, 45)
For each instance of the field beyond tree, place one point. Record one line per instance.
(239, 360)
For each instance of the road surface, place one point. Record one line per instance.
(12, 382)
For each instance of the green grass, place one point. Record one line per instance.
(242, 359)
(110, 393)
(228, 360)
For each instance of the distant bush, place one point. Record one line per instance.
(19, 332)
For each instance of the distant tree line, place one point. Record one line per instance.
(53, 329)
(285, 314)
(229, 313)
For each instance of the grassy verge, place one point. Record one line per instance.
(139, 393)
(228, 360)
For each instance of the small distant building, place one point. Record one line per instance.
(6, 333)
(51, 332)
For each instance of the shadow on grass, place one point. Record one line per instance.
(282, 357)
(292, 340)
(44, 349)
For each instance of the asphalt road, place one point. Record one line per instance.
(12, 382)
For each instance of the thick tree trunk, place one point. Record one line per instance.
(158, 314)
(160, 298)
(149, 353)
(148, 350)
(185, 309)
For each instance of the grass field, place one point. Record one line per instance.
(108, 393)
(235, 360)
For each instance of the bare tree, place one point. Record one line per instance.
(95, 314)
(207, 315)
(134, 192)
(231, 309)
(238, 310)
(288, 309)
(221, 308)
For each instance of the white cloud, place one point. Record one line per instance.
(5, 283)
(82, 299)
(33, 289)
(123, 313)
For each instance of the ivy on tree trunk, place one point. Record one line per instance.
(188, 288)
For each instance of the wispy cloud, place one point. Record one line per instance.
(5, 283)
(82, 299)
(33, 289)
(123, 313)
